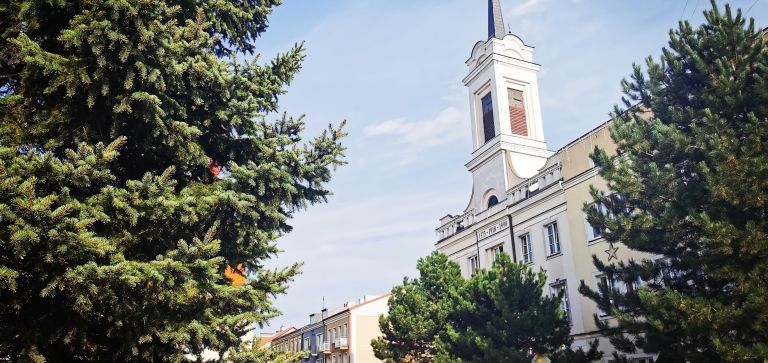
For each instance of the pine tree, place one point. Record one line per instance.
(137, 165)
(418, 310)
(502, 315)
(690, 187)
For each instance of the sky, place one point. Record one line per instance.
(392, 69)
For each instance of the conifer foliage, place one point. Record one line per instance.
(690, 188)
(503, 314)
(115, 230)
(498, 315)
(418, 312)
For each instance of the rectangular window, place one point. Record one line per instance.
(553, 238)
(473, 264)
(527, 248)
(596, 231)
(611, 284)
(489, 130)
(517, 118)
(565, 304)
(495, 251)
(306, 343)
(344, 331)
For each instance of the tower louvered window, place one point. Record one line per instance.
(517, 112)
(488, 129)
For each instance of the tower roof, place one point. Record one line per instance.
(495, 20)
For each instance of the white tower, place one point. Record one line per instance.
(507, 131)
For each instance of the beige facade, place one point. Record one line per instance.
(340, 335)
(541, 222)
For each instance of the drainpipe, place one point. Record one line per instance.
(512, 237)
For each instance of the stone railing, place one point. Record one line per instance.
(544, 179)
(533, 185)
(455, 225)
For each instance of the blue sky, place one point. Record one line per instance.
(393, 70)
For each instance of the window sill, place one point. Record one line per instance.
(605, 317)
(556, 255)
(595, 240)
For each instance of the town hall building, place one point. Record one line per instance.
(527, 200)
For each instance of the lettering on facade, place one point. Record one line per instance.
(493, 229)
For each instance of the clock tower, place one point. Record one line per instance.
(507, 131)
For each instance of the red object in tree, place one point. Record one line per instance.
(213, 167)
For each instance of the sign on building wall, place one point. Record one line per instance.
(494, 228)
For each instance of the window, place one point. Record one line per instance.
(473, 264)
(596, 231)
(344, 331)
(496, 251)
(306, 343)
(631, 286)
(492, 201)
(604, 280)
(565, 304)
(527, 248)
(488, 128)
(517, 112)
(553, 238)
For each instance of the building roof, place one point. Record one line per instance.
(495, 20)
(267, 339)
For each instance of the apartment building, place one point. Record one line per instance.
(527, 201)
(341, 335)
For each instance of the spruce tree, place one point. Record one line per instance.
(689, 187)
(418, 310)
(141, 158)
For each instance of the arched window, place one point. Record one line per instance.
(492, 201)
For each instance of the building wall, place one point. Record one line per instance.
(315, 350)
(563, 186)
(337, 327)
(364, 320)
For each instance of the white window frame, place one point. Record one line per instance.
(495, 251)
(565, 304)
(552, 240)
(599, 278)
(591, 235)
(526, 247)
(473, 264)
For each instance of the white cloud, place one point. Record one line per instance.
(527, 7)
(448, 125)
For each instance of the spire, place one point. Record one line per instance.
(495, 20)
